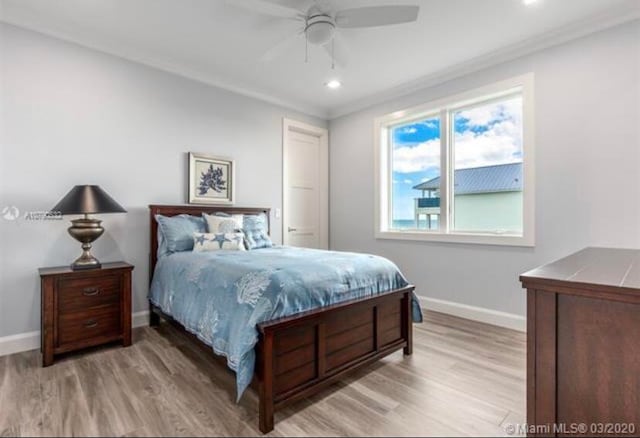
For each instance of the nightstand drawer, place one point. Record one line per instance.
(86, 293)
(81, 326)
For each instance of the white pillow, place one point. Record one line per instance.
(203, 242)
(223, 224)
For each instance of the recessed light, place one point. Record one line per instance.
(333, 84)
(529, 2)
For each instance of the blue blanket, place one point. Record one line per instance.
(220, 296)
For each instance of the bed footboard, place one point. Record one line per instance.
(299, 355)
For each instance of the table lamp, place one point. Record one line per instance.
(87, 200)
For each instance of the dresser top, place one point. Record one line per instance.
(67, 269)
(608, 267)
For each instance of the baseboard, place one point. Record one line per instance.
(21, 342)
(481, 314)
(31, 341)
(140, 319)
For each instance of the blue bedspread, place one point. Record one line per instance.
(221, 296)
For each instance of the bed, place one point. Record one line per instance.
(291, 320)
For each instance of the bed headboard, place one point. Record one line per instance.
(194, 210)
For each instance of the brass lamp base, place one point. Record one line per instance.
(86, 231)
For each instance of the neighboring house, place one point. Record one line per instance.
(485, 199)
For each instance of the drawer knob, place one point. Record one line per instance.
(90, 291)
(91, 323)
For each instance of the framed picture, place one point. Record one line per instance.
(211, 179)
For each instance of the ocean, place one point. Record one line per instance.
(410, 224)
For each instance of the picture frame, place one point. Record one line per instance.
(211, 179)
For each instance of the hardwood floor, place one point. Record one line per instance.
(464, 378)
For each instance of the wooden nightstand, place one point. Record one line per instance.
(84, 308)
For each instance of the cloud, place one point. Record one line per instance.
(500, 144)
(407, 181)
(499, 141)
(431, 124)
(484, 115)
(417, 158)
(410, 130)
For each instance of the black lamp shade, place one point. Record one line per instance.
(87, 200)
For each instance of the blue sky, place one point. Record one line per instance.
(409, 137)
(484, 135)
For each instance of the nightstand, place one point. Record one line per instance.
(84, 308)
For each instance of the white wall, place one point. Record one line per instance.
(587, 172)
(71, 115)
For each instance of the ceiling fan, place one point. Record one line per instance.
(321, 24)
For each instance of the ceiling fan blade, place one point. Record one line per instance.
(339, 52)
(280, 48)
(376, 16)
(265, 7)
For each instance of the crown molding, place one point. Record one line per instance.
(611, 18)
(598, 23)
(176, 69)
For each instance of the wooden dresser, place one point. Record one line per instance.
(84, 308)
(583, 344)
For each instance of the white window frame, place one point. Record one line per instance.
(383, 172)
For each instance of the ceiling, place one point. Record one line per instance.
(215, 42)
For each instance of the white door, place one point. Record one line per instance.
(306, 185)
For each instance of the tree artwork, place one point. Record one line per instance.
(212, 179)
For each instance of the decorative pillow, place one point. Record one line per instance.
(256, 231)
(218, 242)
(177, 231)
(223, 223)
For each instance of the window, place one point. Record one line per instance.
(415, 156)
(460, 169)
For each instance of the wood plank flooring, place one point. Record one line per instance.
(464, 378)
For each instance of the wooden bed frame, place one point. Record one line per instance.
(299, 355)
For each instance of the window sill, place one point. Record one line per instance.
(470, 238)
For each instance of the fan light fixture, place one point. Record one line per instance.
(319, 29)
(322, 22)
(333, 84)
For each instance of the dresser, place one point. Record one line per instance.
(583, 344)
(84, 308)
